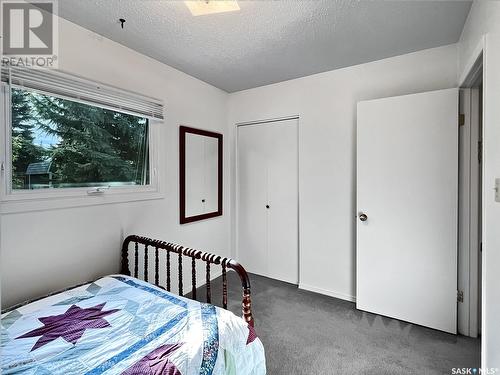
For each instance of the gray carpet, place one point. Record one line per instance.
(308, 333)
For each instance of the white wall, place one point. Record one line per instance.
(484, 18)
(46, 251)
(326, 104)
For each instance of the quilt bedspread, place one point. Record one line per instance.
(121, 325)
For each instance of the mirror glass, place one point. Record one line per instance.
(200, 174)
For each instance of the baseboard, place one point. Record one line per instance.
(345, 297)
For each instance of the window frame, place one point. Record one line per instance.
(21, 200)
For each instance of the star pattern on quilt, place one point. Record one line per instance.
(156, 362)
(70, 325)
(252, 335)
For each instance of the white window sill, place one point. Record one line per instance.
(19, 203)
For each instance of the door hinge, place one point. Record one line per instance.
(460, 296)
(479, 151)
(461, 120)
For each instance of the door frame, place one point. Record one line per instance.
(237, 187)
(472, 72)
(469, 83)
(469, 211)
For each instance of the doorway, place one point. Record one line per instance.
(411, 170)
(407, 193)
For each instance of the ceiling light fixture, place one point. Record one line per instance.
(202, 7)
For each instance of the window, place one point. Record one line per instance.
(67, 137)
(59, 143)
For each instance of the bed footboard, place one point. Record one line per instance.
(174, 254)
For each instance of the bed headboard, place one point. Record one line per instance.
(175, 254)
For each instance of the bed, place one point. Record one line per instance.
(120, 324)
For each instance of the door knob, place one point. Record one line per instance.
(267, 206)
(363, 217)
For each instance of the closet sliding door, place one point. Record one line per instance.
(252, 197)
(268, 199)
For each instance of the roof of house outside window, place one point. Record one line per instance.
(42, 167)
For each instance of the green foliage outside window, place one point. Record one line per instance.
(61, 143)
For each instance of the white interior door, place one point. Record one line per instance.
(283, 200)
(407, 186)
(268, 199)
(252, 196)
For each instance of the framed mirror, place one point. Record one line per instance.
(200, 174)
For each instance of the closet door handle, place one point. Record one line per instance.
(267, 206)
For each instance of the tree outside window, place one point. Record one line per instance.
(59, 143)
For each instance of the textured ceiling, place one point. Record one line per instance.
(271, 41)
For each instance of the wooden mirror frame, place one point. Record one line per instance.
(183, 130)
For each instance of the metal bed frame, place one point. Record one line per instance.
(174, 254)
